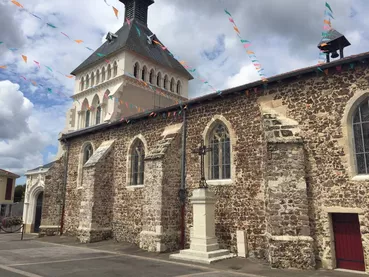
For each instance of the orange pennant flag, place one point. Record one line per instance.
(250, 52)
(69, 76)
(3, 66)
(24, 58)
(17, 4)
(116, 12)
(78, 41)
(327, 22)
(33, 82)
(326, 72)
(236, 29)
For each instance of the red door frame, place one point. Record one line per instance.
(347, 241)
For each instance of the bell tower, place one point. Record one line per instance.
(332, 42)
(137, 9)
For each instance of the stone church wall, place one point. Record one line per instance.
(317, 103)
(52, 199)
(320, 106)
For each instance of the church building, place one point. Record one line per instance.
(288, 159)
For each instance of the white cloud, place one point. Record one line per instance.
(25, 129)
(246, 75)
(15, 111)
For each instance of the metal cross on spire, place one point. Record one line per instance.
(202, 152)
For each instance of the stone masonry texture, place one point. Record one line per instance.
(316, 103)
(52, 200)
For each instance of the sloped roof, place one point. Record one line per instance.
(129, 39)
(46, 166)
(8, 173)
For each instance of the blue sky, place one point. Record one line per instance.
(283, 34)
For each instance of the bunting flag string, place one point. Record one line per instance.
(187, 67)
(246, 44)
(31, 81)
(327, 27)
(25, 59)
(78, 41)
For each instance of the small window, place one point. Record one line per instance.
(166, 82)
(82, 84)
(220, 154)
(179, 87)
(144, 70)
(92, 80)
(158, 80)
(87, 82)
(172, 82)
(97, 77)
(137, 163)
(115, 69)
(136, 70)
(151, 77)
(9, 189)
(103, 74)
(98, 114)
(87, 153)
(87, 119)
(109, 72)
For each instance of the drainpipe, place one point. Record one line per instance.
(64, 186)
(182, 190)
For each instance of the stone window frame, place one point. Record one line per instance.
(348, 136)
(232, 137)
(81, 163)
(128, 162)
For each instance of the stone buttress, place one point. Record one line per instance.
(289, 244)
(161, 208)
(97, 198)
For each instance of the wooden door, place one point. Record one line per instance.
(347, 237)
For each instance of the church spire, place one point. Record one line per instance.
(137, 9)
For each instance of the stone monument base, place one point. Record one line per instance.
(202, 257)
(204, 247)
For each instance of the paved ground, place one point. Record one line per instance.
(58, 256)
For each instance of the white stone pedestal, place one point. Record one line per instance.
(204, 247)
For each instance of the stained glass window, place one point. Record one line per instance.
(361, 137)
(137, 163)
(220, 156)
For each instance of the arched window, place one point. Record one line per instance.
(151, 76)
(172, 82)
(82, 83)
(136, 70)
(178, 87)
(87, 82)
(158, 80)
(87, 152)
(103, 74)
(97, 77)
(98, 114)
(144, 71)
(115, 69)
(220, 155)
(360, 124)
(92, 79)
(87, 119)
(166, 82)
(109, 72)
(137, 155)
